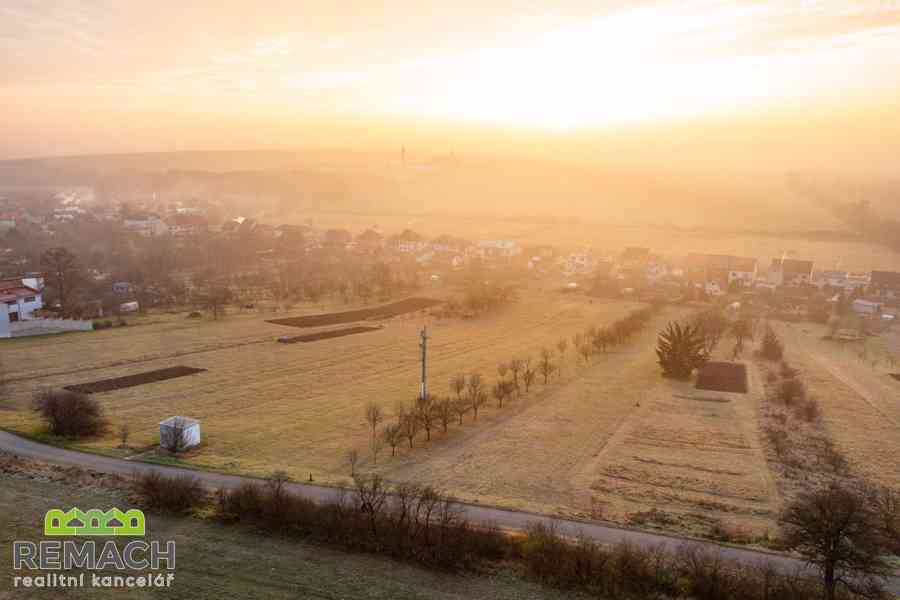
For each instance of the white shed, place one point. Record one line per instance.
(179, 433)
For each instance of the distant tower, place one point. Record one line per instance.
(403, 155)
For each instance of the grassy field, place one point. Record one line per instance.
(860, 401)
(216, 561)
(610, 439)
(297, 407)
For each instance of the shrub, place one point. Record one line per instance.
(808, 410)
(771, 348)
(172, 493)
(792, 391)
(70, 414)
(680, 350)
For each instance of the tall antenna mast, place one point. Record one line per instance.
(424, 346)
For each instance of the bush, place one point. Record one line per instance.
(792, 391)
(70, 414)
(172, 493)
(808, 410)
(681, 349)
(771, 348)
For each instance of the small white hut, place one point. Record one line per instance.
(179, 433)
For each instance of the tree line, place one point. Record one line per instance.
(469, 393)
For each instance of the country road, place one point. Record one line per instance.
(503, 518)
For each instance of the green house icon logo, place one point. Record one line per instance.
(77, 522)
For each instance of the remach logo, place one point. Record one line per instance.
(94, 522)
(88, 562)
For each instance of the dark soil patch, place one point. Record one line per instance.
(896, 376)
(385, 311)
(723, 377)
(117, 383)
(325, 335)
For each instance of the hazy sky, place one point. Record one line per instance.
(113, 75)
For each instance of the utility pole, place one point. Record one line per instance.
(424, 346)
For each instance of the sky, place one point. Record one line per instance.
(111, 76)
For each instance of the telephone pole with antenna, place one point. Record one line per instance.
(424, 346)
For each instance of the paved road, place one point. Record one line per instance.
(506, 519)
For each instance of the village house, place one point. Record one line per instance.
(790, 272)
(717, 273)
(884, 284)
(498, 248)
(186, 225)
(577, 264)
(18, 302)
(634, 258)
(146, 225)
(408, 242)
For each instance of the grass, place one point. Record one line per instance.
(298, 408)
(218, 561)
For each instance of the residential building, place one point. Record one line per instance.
(186, 225)
(885, 284)
(790, 272)
(147, 225)
(18, 302)
(498, 248)
(718, 272)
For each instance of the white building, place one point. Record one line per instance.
(146, 225)
(17, 303)
(185, 428)
(499, 248)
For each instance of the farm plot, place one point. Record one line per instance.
(616, 442)
(326, 335)
(723, 377)
(297, 407)
(385, 311)
(118, 383)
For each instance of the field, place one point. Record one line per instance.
(385, 311)
(298, 407)
(119, 383)
(860, 401)
(325, 335)
(610, 439)
(221, 561)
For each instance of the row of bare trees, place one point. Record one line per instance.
(470, 393)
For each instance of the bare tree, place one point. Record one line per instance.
(409, 426)
(352, 460)
(61, 269)
(476, 393)
(374, 416)
(424, 412)
(502, 370)
(562, 346)
(516, 366)
(528, 375)
(546, 366)
(836, 529)
(444, 411)
(460, 407)
(393, 435)
(585, 350)
(124, 432)
(502, 390)
(458, 385)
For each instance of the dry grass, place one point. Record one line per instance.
(859, 403)
(266, 406)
